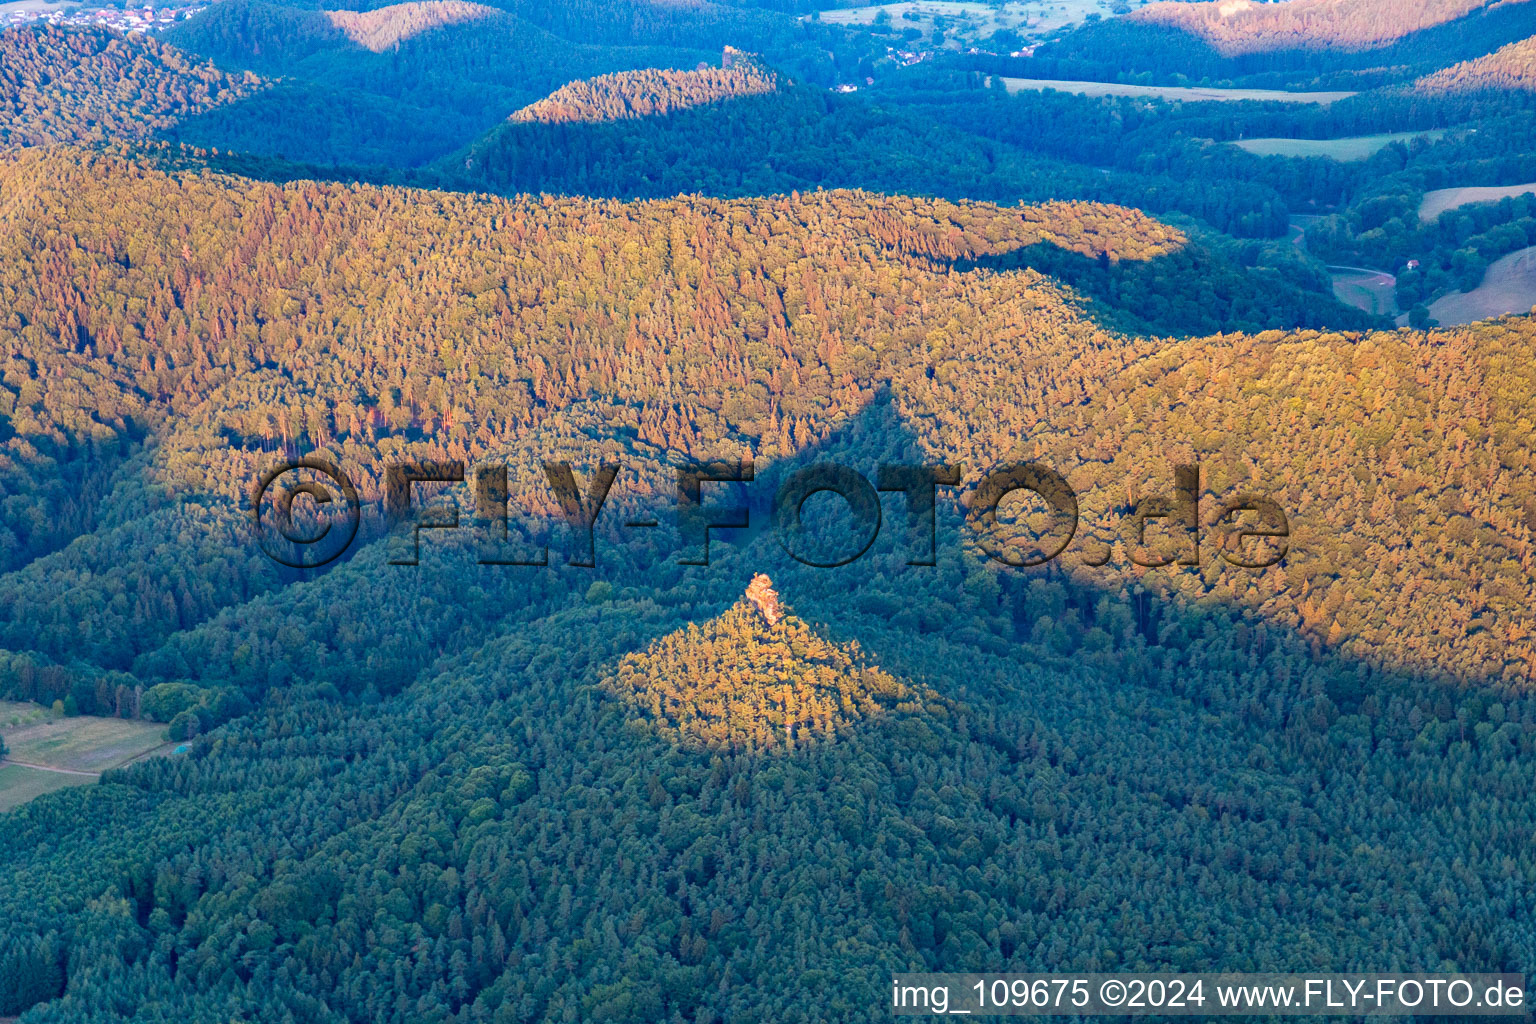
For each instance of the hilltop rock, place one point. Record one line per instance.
(756, 678)
(761, 593)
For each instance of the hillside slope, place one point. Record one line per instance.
(396, 86)
(649, 92)
(1243, 26)
(487, 353)
(462, 790)
(1297, 45)
(68, 85)
(1511, 68)
(385, 27)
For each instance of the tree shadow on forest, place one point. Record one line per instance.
(339, 105)
(1186, 292)
(723, 150)
(1145, 621)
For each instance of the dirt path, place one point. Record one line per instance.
(135, 759)
(49, 768)
(1363, 270)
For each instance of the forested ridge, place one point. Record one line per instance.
(650, 92)
(1310, 44)
(1511, 67)
(1243, 26)
(504, 785)
(386, 27)
(261, 365)
(396, 86)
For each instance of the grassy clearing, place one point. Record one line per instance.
(82, 744)
(18, 784)
(14, 715)
(966, 24)
(1361, 147)
(1169, 92)
(1373, 292)
(1508, 287)
(1443, 199)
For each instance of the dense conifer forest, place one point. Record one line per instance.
(63, 86)
(1511, 67)
(563, 772)
(648, 93)
(1243, 26)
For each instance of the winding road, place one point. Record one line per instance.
(1385, 304)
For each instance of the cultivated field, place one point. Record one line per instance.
(18, 784)
(1443, 199)
(967, 24)
(1360, 147)
(1169, 92)
(82, 744)
(1508, 287)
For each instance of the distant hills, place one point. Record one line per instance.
(1246, 26)
(384, 27)
(302, 41)
(396, 86)
(1298, 44)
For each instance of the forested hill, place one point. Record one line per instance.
(459, 791)
(757, 678)
(1298, 44)
(281, 39)
(771, 322)
(973, 144)
(1244, 26)
(397, 86)
(648, 92)
(1511, 68)
(68, 85)
(382, 28)
(515, 771)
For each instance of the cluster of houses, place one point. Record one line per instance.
(907, 58)
(127, 19)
